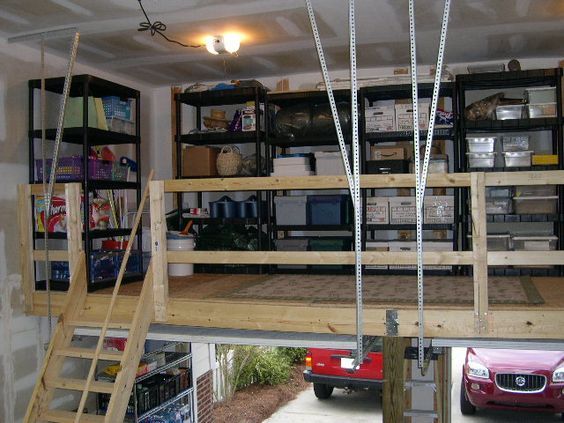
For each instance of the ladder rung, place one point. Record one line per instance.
(61, 416)
(420, 413)
(79, 385)
(98, 324)
(88, 353)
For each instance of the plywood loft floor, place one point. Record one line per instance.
(237, 302)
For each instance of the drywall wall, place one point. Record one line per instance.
(22, 337)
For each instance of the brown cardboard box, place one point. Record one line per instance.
(387, 153)
(199, 161)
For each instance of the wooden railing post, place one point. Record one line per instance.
(74, 224)
(158, 249)
(479, 251)
(25, 228)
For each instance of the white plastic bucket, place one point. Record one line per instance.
(177, 242)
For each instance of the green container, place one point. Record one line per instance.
(329, 244)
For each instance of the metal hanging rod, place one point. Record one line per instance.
(44, 35)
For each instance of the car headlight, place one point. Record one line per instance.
(478, 370)
(558, 375)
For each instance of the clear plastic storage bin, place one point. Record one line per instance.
(499, 192)
(515, 143)
(542, 110)
(535, 242)
(536, 205)
(535, 190)
(481, 159)
(509, 112)
(517, 158)
(497, 242)
(535, 95)
(481, 144)
(498, 205)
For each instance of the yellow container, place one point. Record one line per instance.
(545, 159)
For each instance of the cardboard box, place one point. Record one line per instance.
(199, 161)
(402, 210)
(377, 246)
(387, 153)
(438, 209)
(380, 119)
(404, 116)
(377, 211)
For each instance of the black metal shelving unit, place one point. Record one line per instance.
(371, 95)
(554, 125)
(86, 86)
(231, 97)
(283, 142)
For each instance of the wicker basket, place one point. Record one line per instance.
(229, 161)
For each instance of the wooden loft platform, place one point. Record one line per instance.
(229, 301)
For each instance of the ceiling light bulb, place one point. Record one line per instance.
(231, 42)
(219, 44)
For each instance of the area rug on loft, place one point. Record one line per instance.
(386, 289)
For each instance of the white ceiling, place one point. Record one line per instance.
(278, 37)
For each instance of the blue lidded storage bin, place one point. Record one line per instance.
(248, 209)
(328, 209)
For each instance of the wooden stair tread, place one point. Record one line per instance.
(61, 416)
(77, 352)
(79, 385)
(98, 324)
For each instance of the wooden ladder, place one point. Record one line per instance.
(60, 348)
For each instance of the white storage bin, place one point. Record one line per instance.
(517, 158)
(377, 211)
(540, 95)
(536, 205)
(439, 209)
(291, 210)
(535, 243)
(481, 144)
(402, 210)
(509, 112)
(437, 164)
(515, 143)
(329, 163)
(534, 190)
(481, 159)
(542, 110)
(377, 246)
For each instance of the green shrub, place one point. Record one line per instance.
(294, 355)
(272, 368)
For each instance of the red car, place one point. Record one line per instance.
(512, 379)
(329, 369)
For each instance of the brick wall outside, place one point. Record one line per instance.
(204, 386)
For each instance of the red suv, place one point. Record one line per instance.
(512, 379)
(329, 369)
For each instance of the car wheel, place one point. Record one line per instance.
(562, 417)
(466, 407)
(322, 391)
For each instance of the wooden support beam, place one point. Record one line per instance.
(552, 177)
(395, 368)
(312, 182)
(25, 227)
(525, 258)
(55, 255)
(37, 189)
(74, 223)
(317, 257)
(479, 251)
(158, 249)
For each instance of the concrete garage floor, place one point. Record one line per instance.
(367, 406)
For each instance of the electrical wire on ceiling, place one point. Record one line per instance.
(158, 27)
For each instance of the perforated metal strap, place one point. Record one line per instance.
(421, 174)
(330, 95)
(354, 178)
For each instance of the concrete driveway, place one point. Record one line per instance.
(367, 406)
(339, 408)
